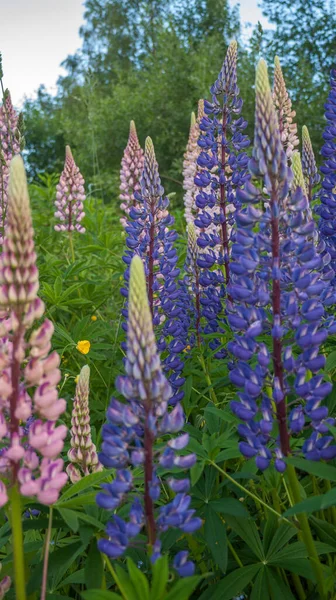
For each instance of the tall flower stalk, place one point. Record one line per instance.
(149, 235)
(285, 113)
(82, 454)
(70, 195)
(29, 463)
(309, 167)
(132, 431)
(327, 194)
(11, 142)
(223, 169)
(277, 288)
(130, 173)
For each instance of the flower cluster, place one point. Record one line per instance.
(10, 144)
(223, 169)
(285, 113)
(309, 167)
(327, 209)
(278, 288)
(82, 454)
(190, 166)
(70, 197)
(131, 169)
(29, 375)
(130, 435)
(149, 235)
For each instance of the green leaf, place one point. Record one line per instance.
(235, 582)
(125, 584)
(139, 580)
(248, 531)
(76, 577)
(280, 591)
(314, 468)
(331, 362)
(70, 517)
(160, 578)
(281, 537)
(62, 559)
(313, 504)
(94, 566)
(229, 506)
(325, 531)
(224, 415)
(83, 484)
(196, 472)
(216, 539)
(260, 587)
(228, 454)
(79, 501)
(300, 566)
(183, 588)
(100, 595)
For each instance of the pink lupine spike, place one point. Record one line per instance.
(9, 146)
(131, 168)
(82, 454)
(70, 195)
(25, 362)
(283, 105)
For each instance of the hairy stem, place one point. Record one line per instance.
(17, 541)
(149, 508)
(151, 266)
(306, 533)
(46, 556)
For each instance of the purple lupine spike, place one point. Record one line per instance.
(9, 146)
(149, 235)
(28, 373)
(222, 170)
(327, 208)
(82, 454)
(132, 430)
(70, 197)
(277, 286)
(309, 167)
(131, 169)
(283, 105)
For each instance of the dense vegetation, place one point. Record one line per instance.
(167, 360)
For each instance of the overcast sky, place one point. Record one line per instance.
(37, 35)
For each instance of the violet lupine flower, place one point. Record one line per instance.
(10, 144)
(309, 167)
(132, 430)
(190, 167)
(327, 194)
(29, 374)
(131, 169)
(82, 454)
(70, 197)
(277, 287)
(149, 235)
(283, 106)
(223, 163)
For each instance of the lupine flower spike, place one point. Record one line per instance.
(283, 105)
(70, 197)
(327, 194)
(309, 167)
(193, 277)
(278, 287)
(82, 454)
(130, 173)
(223, 169)
(130, 435)
(29, 375)
(11, 142)
(149, 235)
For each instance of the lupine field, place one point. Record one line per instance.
(167, 361)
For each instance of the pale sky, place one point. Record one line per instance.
(37, 35)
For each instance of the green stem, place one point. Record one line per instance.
(17, 540)
(306, 533)
(333, 508)
(298, 586)
(246, 491)
(234, 554)
(72, 251)
(208, 380)
(46, 556)
(115, 576)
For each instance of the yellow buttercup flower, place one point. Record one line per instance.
(76, 379)
(83, 346)
(93, 318)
